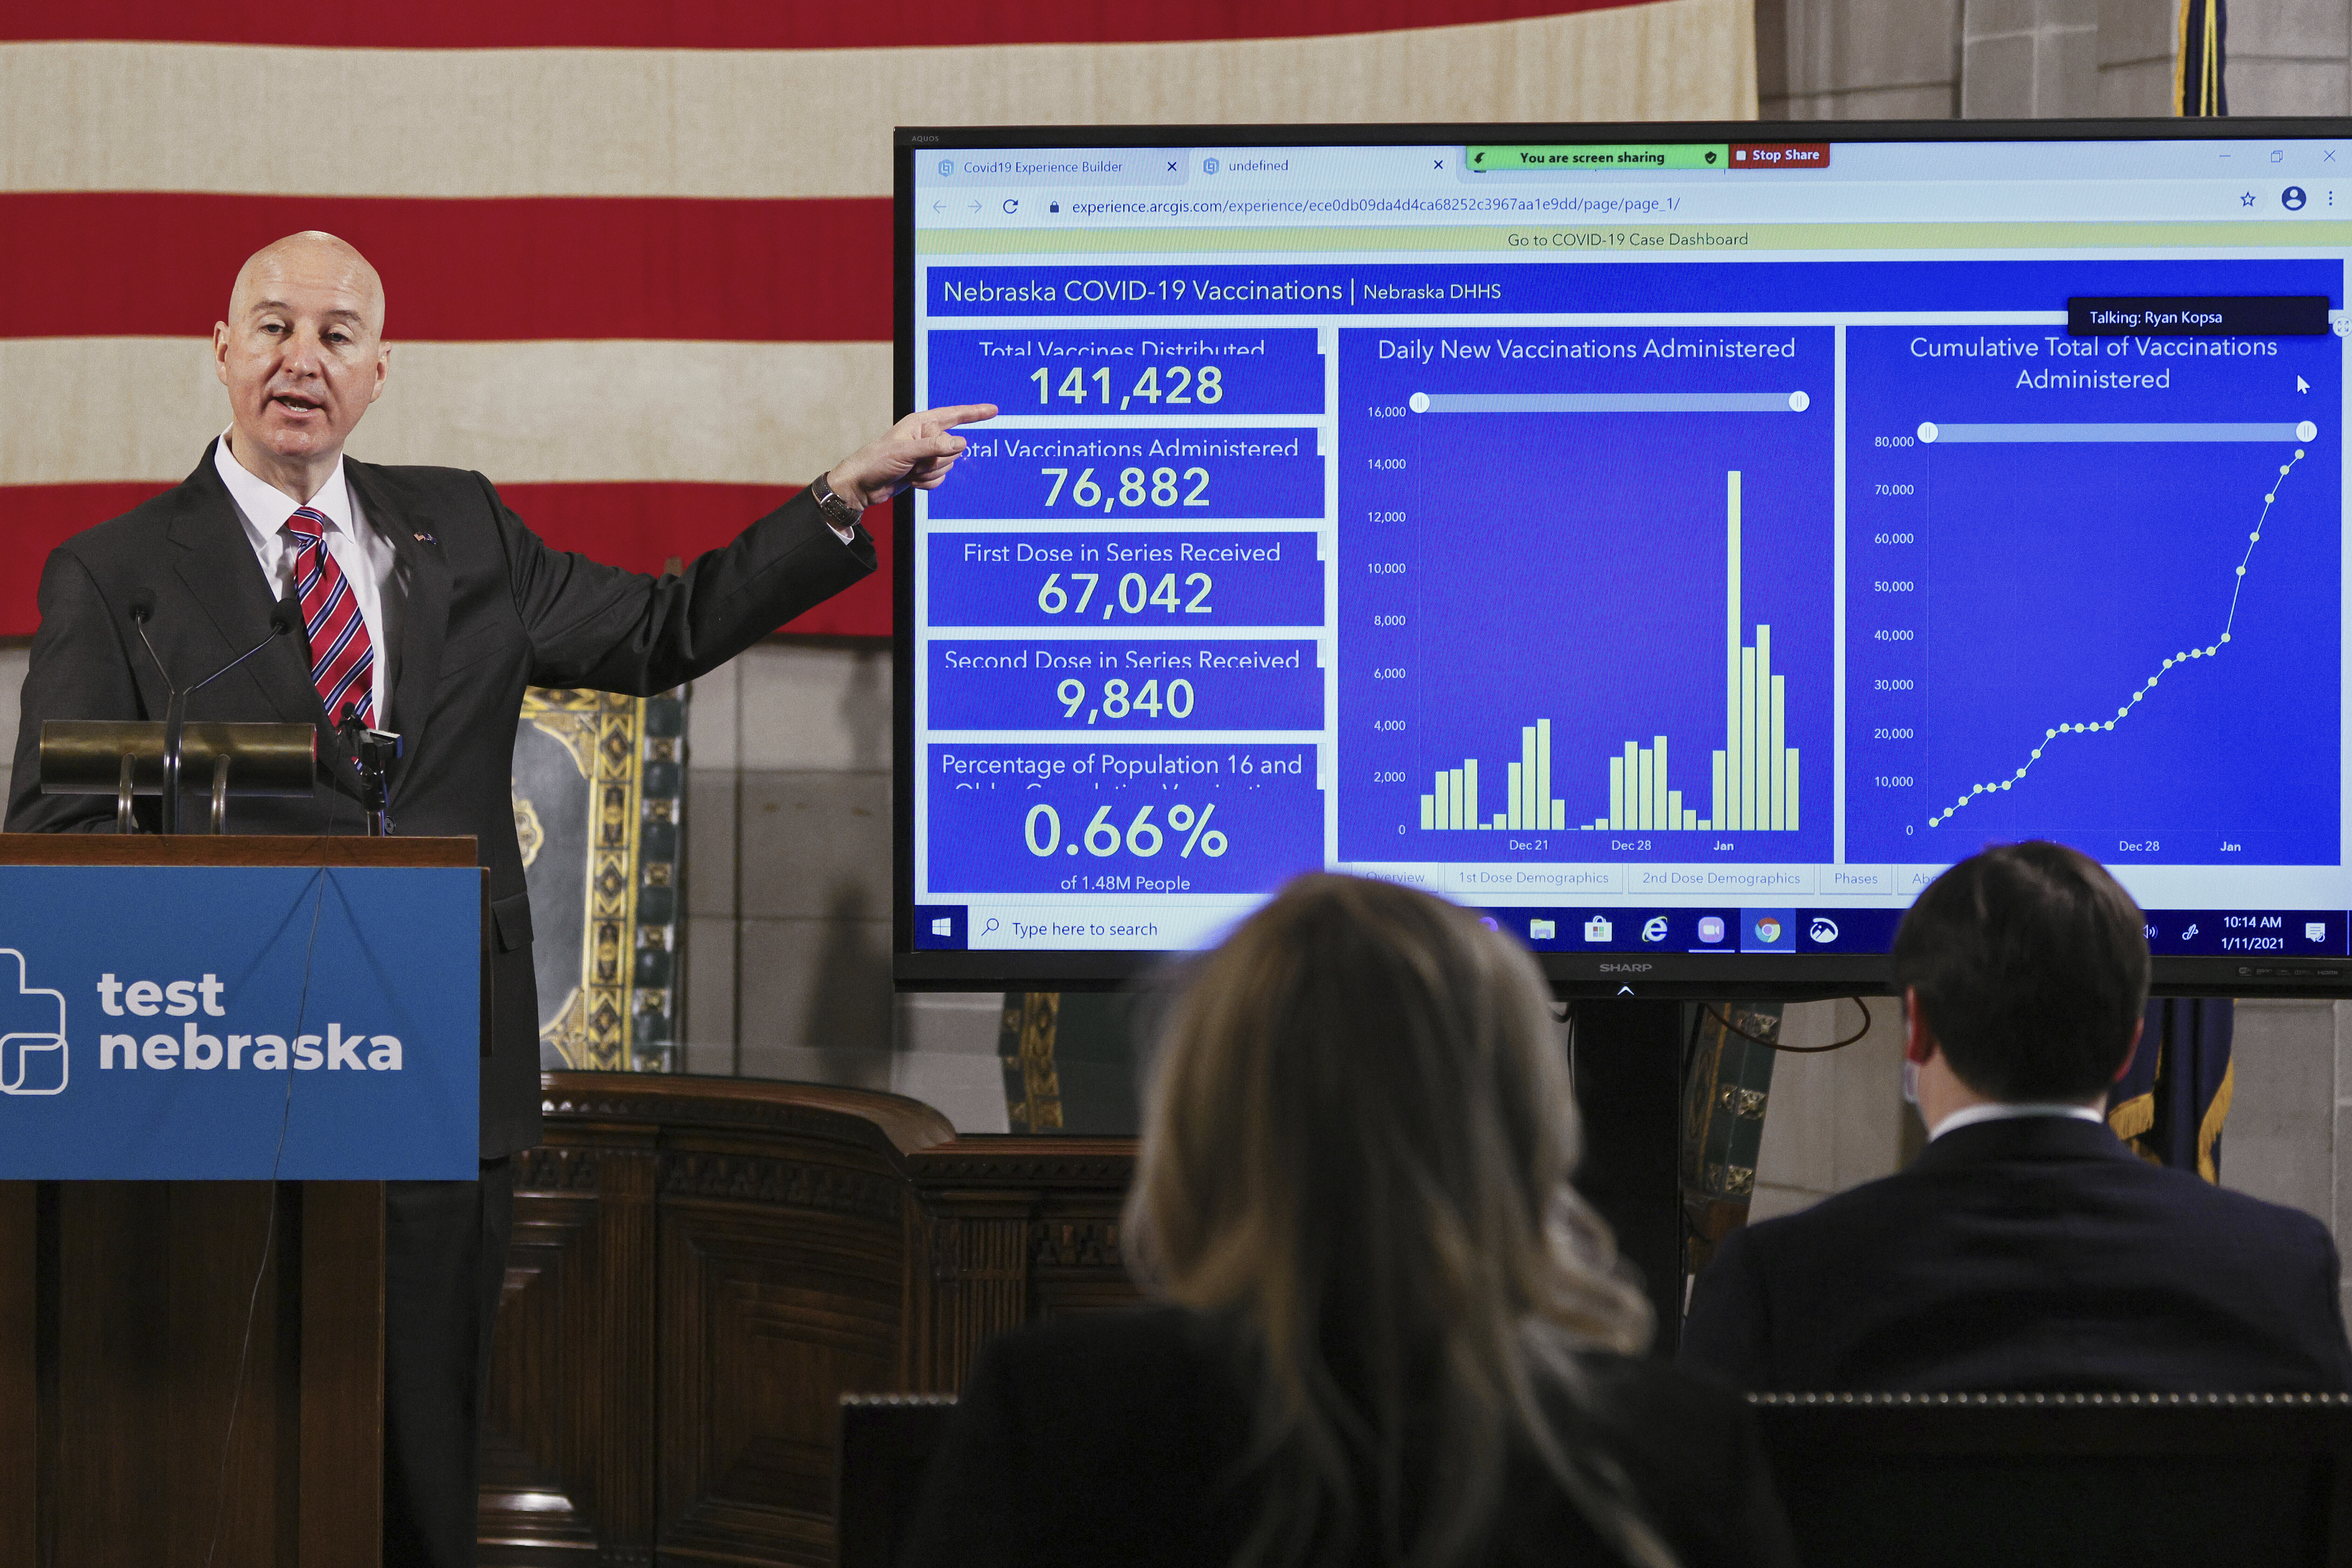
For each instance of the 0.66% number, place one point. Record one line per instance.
(1142, 837)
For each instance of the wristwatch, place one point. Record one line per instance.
(838, 513)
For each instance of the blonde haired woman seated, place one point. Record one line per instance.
(1393, 1332)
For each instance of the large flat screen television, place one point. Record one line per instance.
(1675, 542)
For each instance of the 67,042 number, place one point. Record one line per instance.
(1135, 594)
(1042, 829)
(1162, 487)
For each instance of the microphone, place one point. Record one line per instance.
(285, 616)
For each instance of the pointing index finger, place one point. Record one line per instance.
(936, 420)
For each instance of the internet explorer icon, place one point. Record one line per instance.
(32, 1032)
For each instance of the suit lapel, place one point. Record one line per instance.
(424, 615)
(216, 565)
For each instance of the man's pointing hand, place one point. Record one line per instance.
(918, 452)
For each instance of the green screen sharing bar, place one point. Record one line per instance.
(1657, 155)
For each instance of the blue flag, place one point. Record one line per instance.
(2170, 1104)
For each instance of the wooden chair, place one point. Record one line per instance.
(887, 1441)
(2080, 1479)
(1916, 1480)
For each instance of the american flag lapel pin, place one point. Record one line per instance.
(425, 538)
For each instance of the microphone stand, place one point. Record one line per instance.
(284, 616)
(373, 753)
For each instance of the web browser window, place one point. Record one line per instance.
(1664, 548)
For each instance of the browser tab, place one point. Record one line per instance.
(1056, 166)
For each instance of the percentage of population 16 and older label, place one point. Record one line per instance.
(1170, 819)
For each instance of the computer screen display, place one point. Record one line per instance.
(1677, 545)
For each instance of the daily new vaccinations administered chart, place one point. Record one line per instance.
(1634, 661)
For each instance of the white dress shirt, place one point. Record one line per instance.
(368, 561)
(1968, 1116)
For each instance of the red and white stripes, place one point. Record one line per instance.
(636, 258)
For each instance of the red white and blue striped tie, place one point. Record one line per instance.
(342, 659)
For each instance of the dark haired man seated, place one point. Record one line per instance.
(2026, 1247)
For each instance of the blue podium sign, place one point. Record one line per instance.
(175, 1023)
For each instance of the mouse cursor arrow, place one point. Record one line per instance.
(2300, 384)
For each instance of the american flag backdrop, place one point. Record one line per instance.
(637, 257)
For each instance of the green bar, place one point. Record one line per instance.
(1579, 158)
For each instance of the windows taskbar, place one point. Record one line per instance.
(2216, 933)
(1742, 930)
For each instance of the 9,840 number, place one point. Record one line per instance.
(1119, 701)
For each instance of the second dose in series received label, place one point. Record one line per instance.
(1100, 686)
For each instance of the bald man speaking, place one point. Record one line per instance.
(428, 607)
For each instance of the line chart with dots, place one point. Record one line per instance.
(2100, 724)
(2099, 600)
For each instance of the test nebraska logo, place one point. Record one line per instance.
(32, 1032)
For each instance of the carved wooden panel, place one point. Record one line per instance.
(766, 1319)
(702, 1267)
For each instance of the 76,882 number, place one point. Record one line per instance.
(1161, 487)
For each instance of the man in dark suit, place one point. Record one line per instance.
(427, 607)
(2026, 1247)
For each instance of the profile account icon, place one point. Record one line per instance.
(32, 1032)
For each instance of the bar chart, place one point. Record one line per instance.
(1753, 780)
(1631, 657)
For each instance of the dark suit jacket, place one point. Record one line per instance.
(2030, 1254)
(1109, 1440)
(489, 610)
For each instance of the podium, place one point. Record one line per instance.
(197, 1355)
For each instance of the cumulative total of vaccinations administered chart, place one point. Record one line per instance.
(1585, 596)
(2106, 615)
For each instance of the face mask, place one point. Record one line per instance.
(1910, 1081)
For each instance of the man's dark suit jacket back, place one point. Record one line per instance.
(489, 609)
(2037, 1253)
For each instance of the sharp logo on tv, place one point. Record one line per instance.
(32, 1031)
